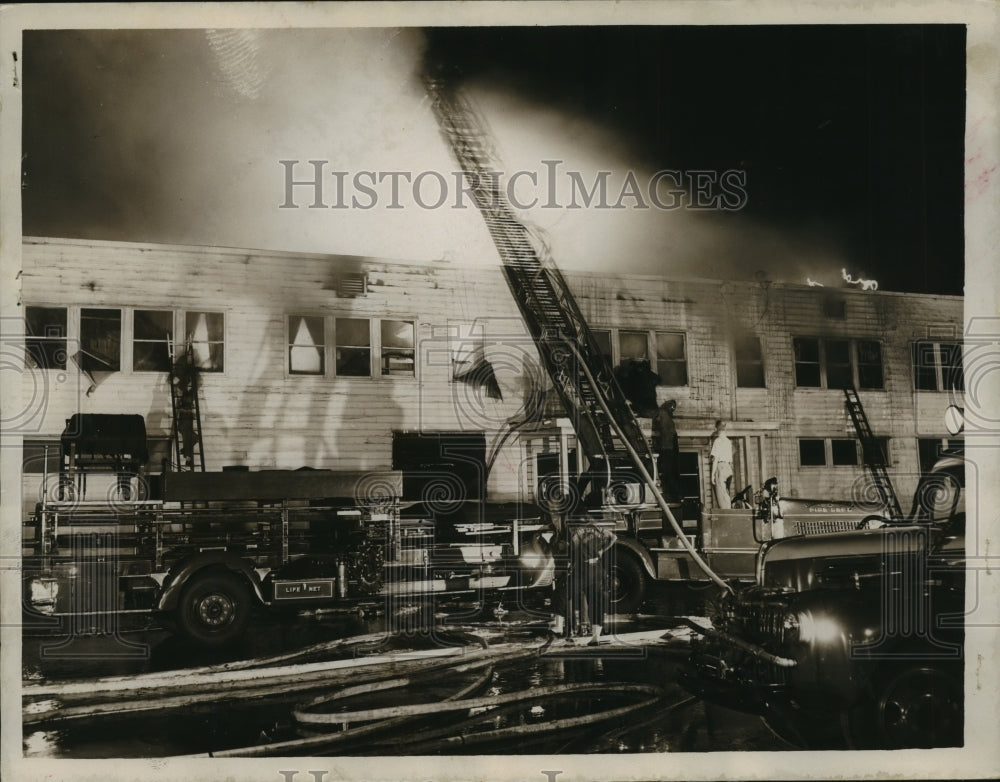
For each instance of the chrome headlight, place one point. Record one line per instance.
(817, 628)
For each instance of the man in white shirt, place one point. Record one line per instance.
(722, 466)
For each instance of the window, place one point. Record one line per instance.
(838, 363)
(151, 330)
(842, 452)
(100, 340)
(807, 372)
(938, 366)
(877, 452)
(952, 369)
(206, 334)
(306, 345)
(624, 348)
(603, 339)
(671, 361)
(633, 346)
(749, 362)
(930, 449)
(45, 336)
(812, 453)
(360, 344)
(870, 365)
(689, 466)
(845, 452)
(354, 352)
(397, 347)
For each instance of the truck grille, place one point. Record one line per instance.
(767, 622)
(822, 527)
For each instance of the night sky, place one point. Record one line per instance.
(850, 137)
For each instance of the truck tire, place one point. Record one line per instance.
(920, 707)
(628, 584)
(214, 608)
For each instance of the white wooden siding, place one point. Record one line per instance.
(255, 413)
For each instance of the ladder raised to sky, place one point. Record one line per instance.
(188, 450)
(542, 295)
(872, 454)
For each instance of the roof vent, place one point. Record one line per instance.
(350, 286)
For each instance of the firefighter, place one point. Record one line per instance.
(581, 584)
(667, 446)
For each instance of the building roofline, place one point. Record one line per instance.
(222, 250)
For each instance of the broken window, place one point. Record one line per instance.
(354, 351)
(633, 346)
(151, 334)
(206, 336)
(671, 358)
(45, 336)
(397, 347)
(749, 361)
(100, 340)
(306, 345)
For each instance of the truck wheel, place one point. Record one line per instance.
(214, 608)
(628, 584)
(919, 708)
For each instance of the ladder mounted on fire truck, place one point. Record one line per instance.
(582, 376)
(602, 417)
(186, 411)
(872, 454)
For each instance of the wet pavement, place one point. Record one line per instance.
(600, 699)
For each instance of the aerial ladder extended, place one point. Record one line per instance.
(603, 419)
(580, 373)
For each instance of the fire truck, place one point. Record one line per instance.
(856, 637)
(213, 546)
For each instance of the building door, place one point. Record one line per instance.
(691, 488)
(747, 463)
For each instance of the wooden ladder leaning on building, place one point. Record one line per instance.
(872, 454)
(186, 410)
